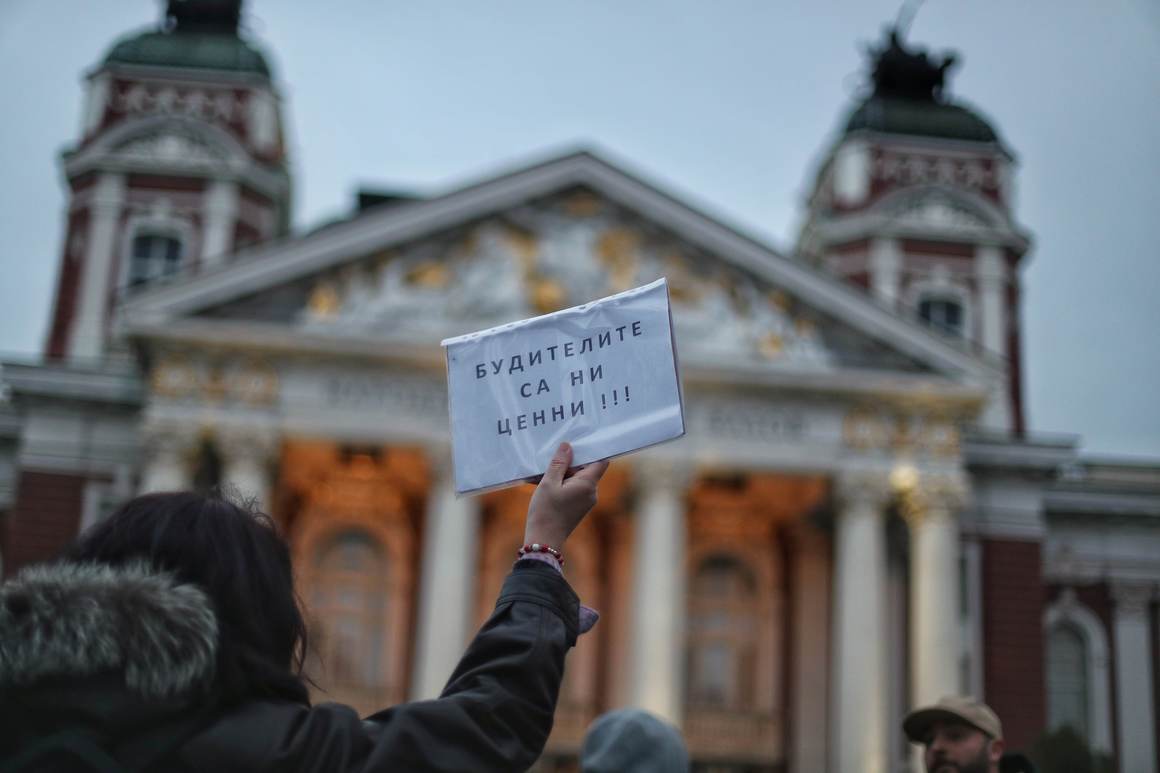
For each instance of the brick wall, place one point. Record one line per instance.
(67, 286)
(1013, 647)
(44, 517)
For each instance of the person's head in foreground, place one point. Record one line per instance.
(632, 741)
(958, 735)
(169, 637)
(230, 553)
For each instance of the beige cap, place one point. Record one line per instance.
(956, 708)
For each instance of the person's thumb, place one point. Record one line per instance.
(559, 464)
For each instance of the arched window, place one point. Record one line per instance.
(723, 634)
(1078, 678)
(1067, 679)
(349, 606)
(942, 313)
(154, 255)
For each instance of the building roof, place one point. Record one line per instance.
(197, 34)
(896, 115)
(909, 97)
(195, 50)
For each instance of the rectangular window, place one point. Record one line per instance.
(942, 314)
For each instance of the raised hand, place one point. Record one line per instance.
(561, 501)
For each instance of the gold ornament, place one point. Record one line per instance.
(682, 284)
(173, 377)
(864, 429)
(583, 204)
(429, 274)
(548, 295)
(214, 386)
(255, 383)
(779, 300)
(771, 345)
(324, 301)
(525, 247)
(616, 249)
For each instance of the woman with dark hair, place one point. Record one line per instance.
(170, 635)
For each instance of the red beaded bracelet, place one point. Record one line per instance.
(536, 547)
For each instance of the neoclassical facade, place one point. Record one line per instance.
(856, 522)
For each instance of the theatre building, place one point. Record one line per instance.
(856, 522)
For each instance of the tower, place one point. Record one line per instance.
(914, 204)
(181, 161)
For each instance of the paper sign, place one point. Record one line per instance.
(602, 376)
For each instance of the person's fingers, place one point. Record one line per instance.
(559, 464)
(592, 473)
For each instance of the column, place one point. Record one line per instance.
(447, 578)
(930, 510)
(852, 165)
(167, 452)
(87, 337)
(1134, 715)
(885, 270)
(992, 283)
(247, 456)
(859, 732)
(96, 102)
(658, 616)
(221, 212)
(262, 120)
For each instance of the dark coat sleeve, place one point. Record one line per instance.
(494, 714)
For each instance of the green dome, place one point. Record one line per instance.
(920, 117)
(195, 50)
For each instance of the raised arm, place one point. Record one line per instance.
(496, 711)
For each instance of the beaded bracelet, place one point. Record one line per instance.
(536, 547)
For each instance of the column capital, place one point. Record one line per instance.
(442, 462)
(168, 452)
(989, 264)
(867, 487)
(109, 193)
(258, 443)
(651, 472)
(1132, 597)
(930, 495)
(169, 438)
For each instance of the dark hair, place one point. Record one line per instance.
(238, 558)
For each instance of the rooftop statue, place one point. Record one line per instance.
(908, 74)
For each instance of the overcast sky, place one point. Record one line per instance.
(726, 103)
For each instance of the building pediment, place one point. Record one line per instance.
(940, 209)
(546, 237)
(937, 212)
(560, 252)
(172, 147)
(173, 144)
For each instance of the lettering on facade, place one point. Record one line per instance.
(755, 423)
(368, 393)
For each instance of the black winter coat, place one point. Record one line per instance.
(115, 652)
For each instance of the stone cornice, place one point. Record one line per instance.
(119, 384)
(1103, 505)
(906, 390)
(1041, 456)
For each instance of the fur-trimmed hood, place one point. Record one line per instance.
(65, 622)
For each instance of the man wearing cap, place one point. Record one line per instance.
(959, 735)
